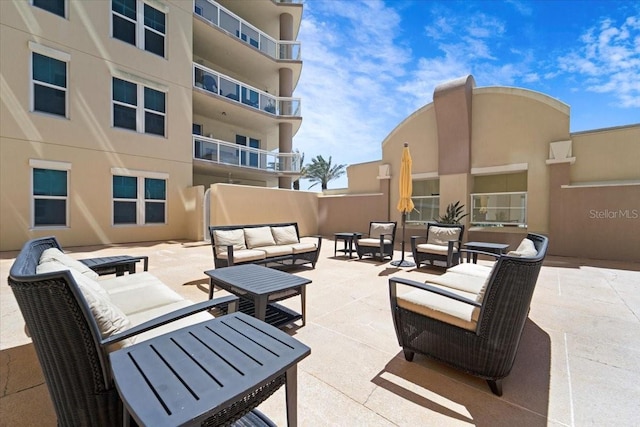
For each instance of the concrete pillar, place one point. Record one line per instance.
(285, 141)
(452, 102)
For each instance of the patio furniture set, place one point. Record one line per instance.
(130, 348)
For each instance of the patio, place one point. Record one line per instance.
(577, 362)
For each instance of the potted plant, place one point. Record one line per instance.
(453, 214)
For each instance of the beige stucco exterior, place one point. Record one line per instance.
(85, 142)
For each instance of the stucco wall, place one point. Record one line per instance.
(347, 213)
(236, 204)
(363, 177)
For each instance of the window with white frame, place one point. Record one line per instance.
(49, 202)
(139, 199)
(53, 6)
(138, 23)
(139, 108)
(48, 80)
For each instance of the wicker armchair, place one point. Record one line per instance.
(70, 347)
(379, 241)
(430, 318)
(442, 242)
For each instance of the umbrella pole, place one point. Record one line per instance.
(402, 262)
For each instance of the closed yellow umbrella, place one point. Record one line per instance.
(405, 204)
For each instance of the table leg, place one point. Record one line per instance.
(210, 288)
(260, 307)
(291, 392)
(335, 247)
(303, 303)
(475, 258)
(347, 246)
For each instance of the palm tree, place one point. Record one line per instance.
(303, 172)
(321, 171)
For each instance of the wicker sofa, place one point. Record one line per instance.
(471, 317)
(267, 244)
(75, 321)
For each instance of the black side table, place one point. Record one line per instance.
(207, 373)
(494, 248)
(348, 242)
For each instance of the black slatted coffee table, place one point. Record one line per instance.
(207, 373)
(259, 288)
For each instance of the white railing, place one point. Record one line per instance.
(427, 208)
(499, 209)
(224, 19)
(222, 85)
(227, 153)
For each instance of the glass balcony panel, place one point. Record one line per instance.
(229, 89)
(246, 156)
(207, 10)
(427, 208)
(229, 23)
(250, 36)
(289, 50)
(289, 107)
(499, 209)
(250, 97)
(268, 104)
(267, 46)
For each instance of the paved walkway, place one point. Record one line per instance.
(577, 363)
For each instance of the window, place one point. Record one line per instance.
(53, 6)
(139, 24)
(129, 113)
(139, 200)
(49, 193)
(499, 200)
(426, 200)
(252, 158)
(49, 80)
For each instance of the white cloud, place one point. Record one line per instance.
(610, 57)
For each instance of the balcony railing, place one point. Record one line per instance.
(234, 25)
(227, 153)
(499, 209)
(427, 208)
(222, 85)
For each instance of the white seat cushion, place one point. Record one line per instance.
(439, 307)
(373, 242)
(463, 282)
(139, 292)
(285, 235)
(300, 248)
(273, 251)
(244, 255)
(477, 270)
(428, 248)
(258, 236)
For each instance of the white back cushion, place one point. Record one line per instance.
(285, 235)
(378, 229)
(72, 264)
(526, 249)
(258, 236)
(442, 235)
(224, 238)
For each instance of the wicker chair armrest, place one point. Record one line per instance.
(429, 288)
(230, 301)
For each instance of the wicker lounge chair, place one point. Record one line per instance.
(378, 242)
(430, 318)
(72, 352)
(442, 242)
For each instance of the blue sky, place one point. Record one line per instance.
(367, 65)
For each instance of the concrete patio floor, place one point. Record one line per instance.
(577, 363)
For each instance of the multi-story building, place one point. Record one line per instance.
(113, 110)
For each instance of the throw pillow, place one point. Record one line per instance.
(258, 236)
(285, 235)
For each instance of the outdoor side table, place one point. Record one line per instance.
(259, 288)
(347, 238)
(118, 264)
(494, 248)
(201, 372)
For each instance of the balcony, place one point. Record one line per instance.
(235, 26)
(234, 155)
(499, 209)
(227, 87)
